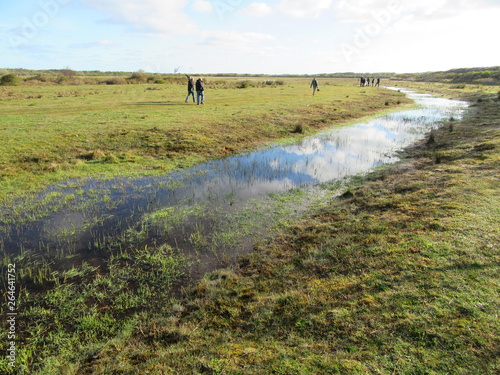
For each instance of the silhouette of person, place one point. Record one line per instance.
(200, 91)
(190, 88)
(314, 85)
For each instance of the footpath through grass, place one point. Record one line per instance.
(54, 133)
(398, 276)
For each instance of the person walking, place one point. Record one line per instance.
(200, 91)
(314, 85)
(190, 88)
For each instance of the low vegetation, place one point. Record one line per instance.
(485, 76)
(397, 275)
(54, 133)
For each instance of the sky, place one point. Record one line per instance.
(246, 36)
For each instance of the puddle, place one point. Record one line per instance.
(219, 207)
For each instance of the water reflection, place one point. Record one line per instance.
(103, 214)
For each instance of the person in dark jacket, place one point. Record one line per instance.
(314, 85)
(200, 91)
(190, 88)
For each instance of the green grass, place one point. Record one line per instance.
(451, 90)
(398, 275)
(53, 133)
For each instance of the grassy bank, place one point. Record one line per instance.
(399, 275)
(452, 90)
(53, 133)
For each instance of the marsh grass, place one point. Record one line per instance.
(466, 91)
(400, 276)
(54, 133)
(92, 303)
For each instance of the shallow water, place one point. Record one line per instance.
(87, 220)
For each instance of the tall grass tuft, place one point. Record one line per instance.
(299, 129)
(432, 139)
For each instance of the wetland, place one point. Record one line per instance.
(142, 242)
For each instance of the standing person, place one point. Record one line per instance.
(190, 88)
(362, 83)
(378, 82)
(373, 82)
(200, 91)
(314, 85)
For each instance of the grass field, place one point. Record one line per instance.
(52, 132)
(397, 276)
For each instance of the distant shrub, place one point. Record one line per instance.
(10, 80)
(116, 81)
(280, 82)
(68, 73)
(41, 77)
(138, 77)
(243, 85)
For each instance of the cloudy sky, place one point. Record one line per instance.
(245, 36)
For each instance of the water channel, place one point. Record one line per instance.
(218, 208)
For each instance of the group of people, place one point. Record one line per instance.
(366, 82)
(363, 82)
(200, 90)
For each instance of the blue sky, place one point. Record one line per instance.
(245, 36)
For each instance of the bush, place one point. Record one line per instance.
(115, 81)
(39, 77)
(243, 85)
(139, 77)
(10, 80)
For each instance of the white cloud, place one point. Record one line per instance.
(302, 8)
(257, 10)
(362, 11)
(413, 43)
(100, 43)
(203, 6)
(234, 39)
(148, 15)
